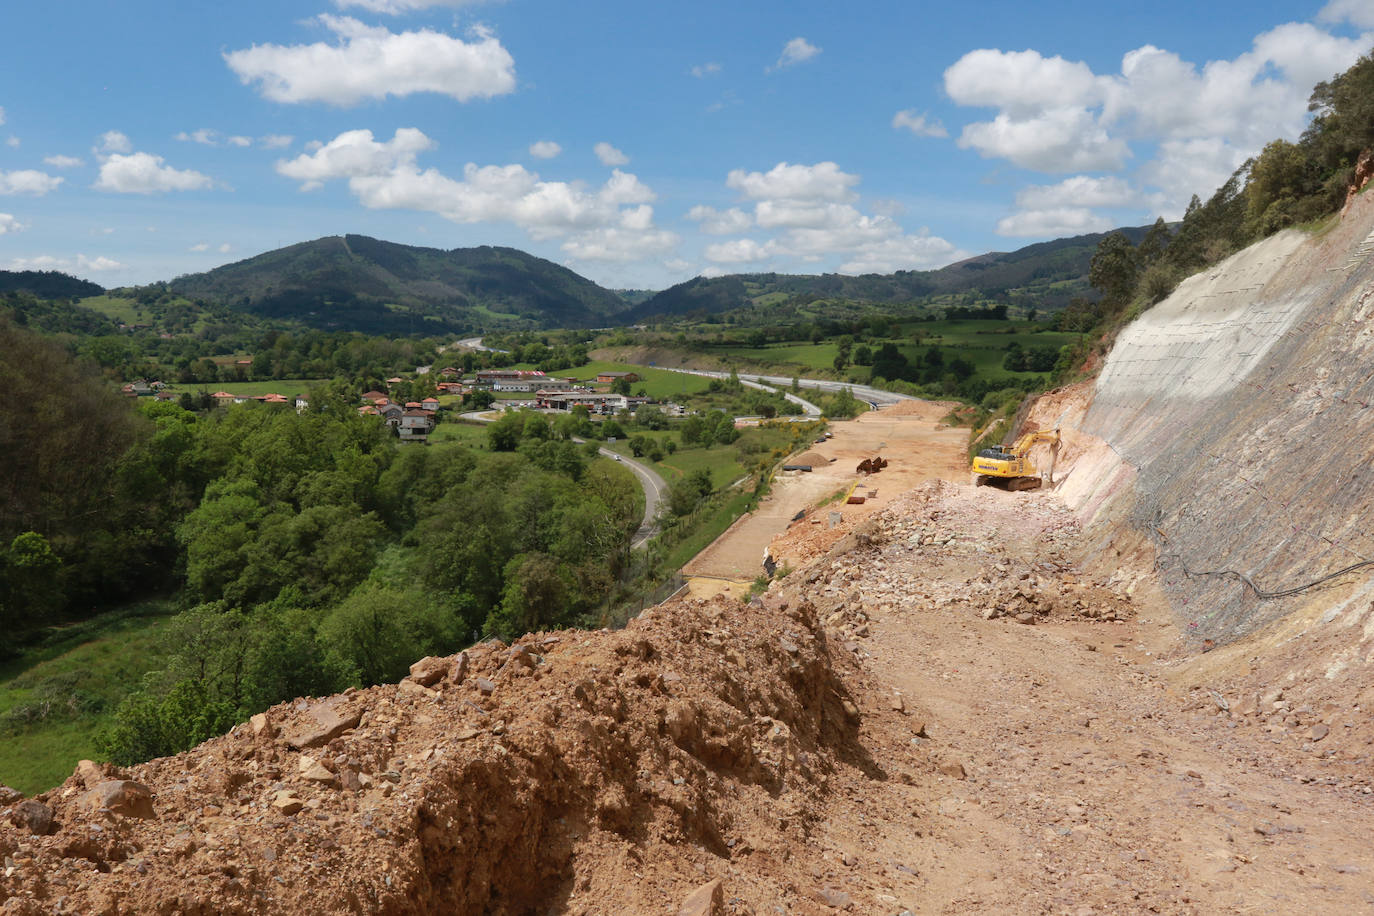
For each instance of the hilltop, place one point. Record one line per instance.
(353, 282)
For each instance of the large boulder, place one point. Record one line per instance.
(120, 796)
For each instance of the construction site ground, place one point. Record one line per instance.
(912, 436)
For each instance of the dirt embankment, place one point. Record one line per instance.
(579, 772)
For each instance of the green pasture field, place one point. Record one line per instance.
(78, 674)
(473, 435)
(124, 310)
(657, 383)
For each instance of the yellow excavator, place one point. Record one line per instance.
(1010, 468)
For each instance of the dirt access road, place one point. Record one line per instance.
(910, 434)
(1073, 765)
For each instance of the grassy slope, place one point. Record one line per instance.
(95, 663)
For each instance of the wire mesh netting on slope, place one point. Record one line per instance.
(1246, 403)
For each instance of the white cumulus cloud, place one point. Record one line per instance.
(916, 123)
(609, 155)
(80, 263)
(275, 141)
(720, 222)
(1079, 191)
(1053, 221)
(1071, 207)
(200, 246)
(1021, 82)
(28, 182)
(112, 141)
(1056, 140)
(354, 154)
(796, 51)
(371, 62)
(822, 181)
(9, 224)
(1357, 12)
(740, 251)
(612, 222)
(144, 173)
(1192, 124)
(813, 208)
(701, 71)
(904, 252)
(62, 162)
(545, 149)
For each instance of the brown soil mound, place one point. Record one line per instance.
(813, 458)
(622, 769)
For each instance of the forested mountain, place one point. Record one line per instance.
(1060, 267)
(357, 283)
(47, 284)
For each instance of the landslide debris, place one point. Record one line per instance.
(573, 772)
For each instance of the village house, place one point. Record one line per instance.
(608, 378)
(416, 425)
(595, 401)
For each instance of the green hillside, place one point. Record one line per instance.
(358, 283)
(1044, 276)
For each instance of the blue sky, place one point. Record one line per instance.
(639, 144)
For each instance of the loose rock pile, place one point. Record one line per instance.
(573, 768)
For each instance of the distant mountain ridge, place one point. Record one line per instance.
(1056, 262)
(47, 284)
(354, 282)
